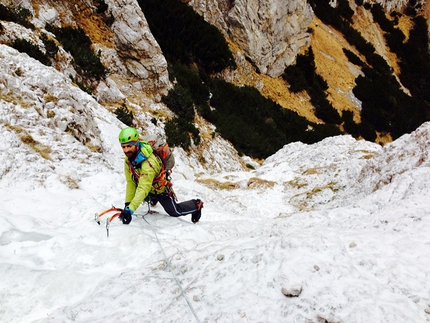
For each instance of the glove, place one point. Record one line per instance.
(126, 215)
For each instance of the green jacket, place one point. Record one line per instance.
(148, 173)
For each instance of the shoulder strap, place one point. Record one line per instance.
(133, 172)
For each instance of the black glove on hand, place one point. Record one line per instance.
(126, 215)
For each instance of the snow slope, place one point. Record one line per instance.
(344, 224)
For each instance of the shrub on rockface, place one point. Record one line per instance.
(349, 125)
(179, 100)
(319, 131)
(295, 76)
(354, 59)
(344, 10)
(75, 41)
(17, 14)
(257, 126)
(393, 36)
(367, 131)
(192, 79)
(184, 36)
(303, 76)
(124, 114)
(404, 113)
(24, 46)
(181, 129)
(244, 117)
(385, 107)
(415, 62)
(179, 133)
(101, 5)
(333, 17)
(50, 45)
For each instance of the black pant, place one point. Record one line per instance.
(173, 208)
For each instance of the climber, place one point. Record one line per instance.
(146, 180)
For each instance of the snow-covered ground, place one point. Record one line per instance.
(342, 224)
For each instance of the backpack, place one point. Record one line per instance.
(161, 149)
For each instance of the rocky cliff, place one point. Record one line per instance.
(270, 33)
(126, 46)
(264, 36)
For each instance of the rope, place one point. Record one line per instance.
(170, 266)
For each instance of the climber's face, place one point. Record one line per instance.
(130, 150)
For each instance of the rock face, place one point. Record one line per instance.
(270, 33)
(128, 48)
(137, 47)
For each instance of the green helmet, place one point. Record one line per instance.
(128, 134)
